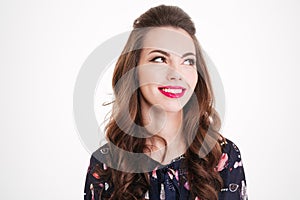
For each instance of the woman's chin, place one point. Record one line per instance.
(171, 108)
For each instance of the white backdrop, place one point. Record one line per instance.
(43, 44)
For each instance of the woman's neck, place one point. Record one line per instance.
(167, 125)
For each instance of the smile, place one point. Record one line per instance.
(172, 91)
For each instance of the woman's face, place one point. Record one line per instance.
(167, 69)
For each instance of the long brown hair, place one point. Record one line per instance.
(201, 132)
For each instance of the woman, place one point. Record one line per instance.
(163, 139)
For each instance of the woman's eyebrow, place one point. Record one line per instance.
(160, 51)
(168, 54)
(188, 54)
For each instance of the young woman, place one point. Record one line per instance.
(163, 139)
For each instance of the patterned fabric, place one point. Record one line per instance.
(170, 183)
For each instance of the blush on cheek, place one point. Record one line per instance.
(191, 79)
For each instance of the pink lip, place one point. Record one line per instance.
(170, 94)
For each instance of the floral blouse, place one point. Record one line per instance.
(165, 184)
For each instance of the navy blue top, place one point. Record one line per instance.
(170, 183)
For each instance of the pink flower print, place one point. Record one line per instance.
(177, 175)
(154, 175)
(96, 175)
(197, 198)
(222, 162)
(170, 175)
(187, 186)
(238, 164)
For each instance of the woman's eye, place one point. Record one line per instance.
(159, 59)
(189, 62)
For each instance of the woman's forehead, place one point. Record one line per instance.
(175, 40)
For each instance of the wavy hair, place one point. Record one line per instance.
(202, 132)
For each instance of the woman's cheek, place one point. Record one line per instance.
(149, 74)
(191, 77)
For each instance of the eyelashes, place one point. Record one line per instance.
(159, 59)
(189, 61)
(162, 59)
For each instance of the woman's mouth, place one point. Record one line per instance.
(172, 91)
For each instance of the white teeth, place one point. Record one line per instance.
(174, 91)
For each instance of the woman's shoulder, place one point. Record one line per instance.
(111, 156)
(230, 147)
(231, 155)
(232, 172)
(100, 156)
(94, 183)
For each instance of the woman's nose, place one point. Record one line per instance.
(172, 73)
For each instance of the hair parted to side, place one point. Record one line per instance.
(201, 132)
